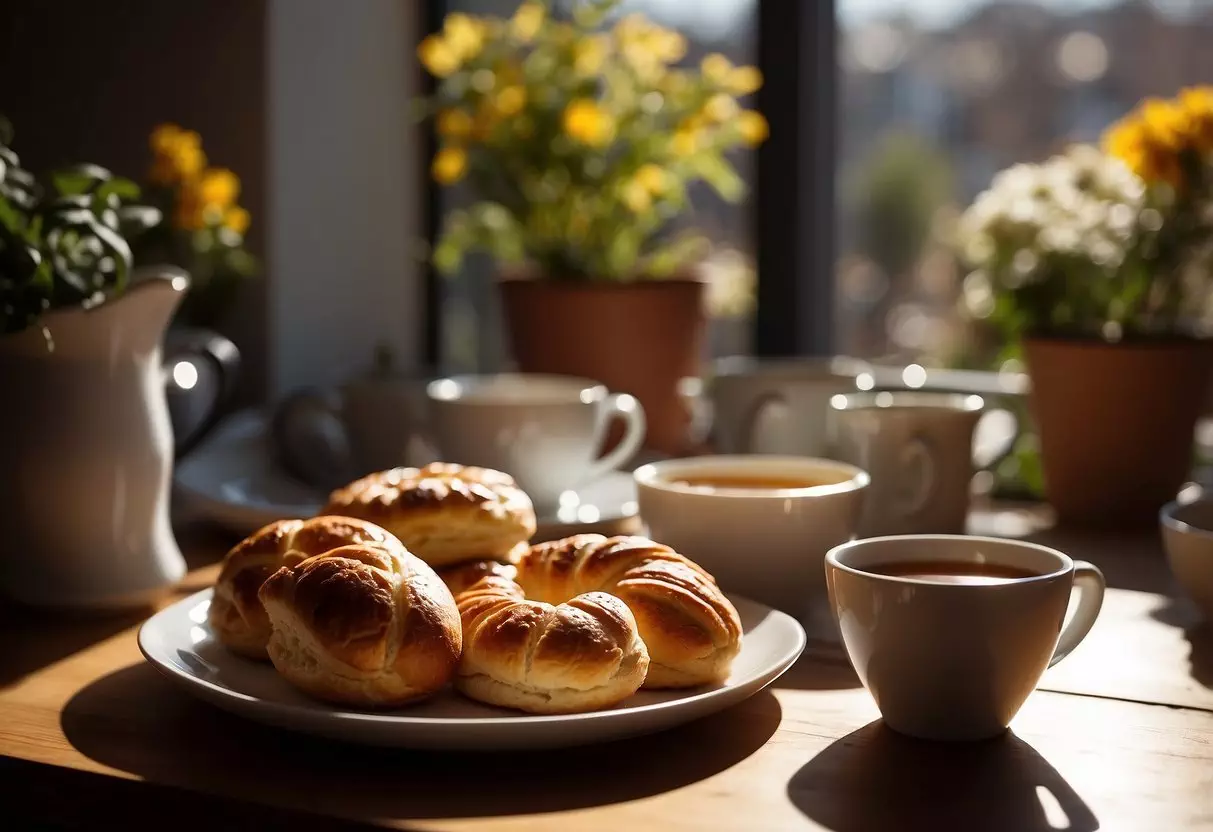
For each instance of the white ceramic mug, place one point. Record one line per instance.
(920, 451)
(773, 406)
(764, 544)
(948, 661)
(543, 430)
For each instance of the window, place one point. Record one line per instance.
(935, 97)
(469, 334)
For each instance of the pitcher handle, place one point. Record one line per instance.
(201, 345)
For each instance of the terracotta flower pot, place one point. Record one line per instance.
(639, 338)
(1116, 424)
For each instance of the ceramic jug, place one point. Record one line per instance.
(87, 453)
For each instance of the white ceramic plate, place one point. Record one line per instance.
(178, 642)
(232, 480)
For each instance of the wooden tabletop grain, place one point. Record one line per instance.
(92, 737)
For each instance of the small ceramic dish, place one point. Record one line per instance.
(1187, 534)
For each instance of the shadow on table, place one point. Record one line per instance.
(1182, 614)
(820, 667)
(37, 638)
(137, 721)
(875, 778)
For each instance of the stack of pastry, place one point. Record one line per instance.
(349, 610)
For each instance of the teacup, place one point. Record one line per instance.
(951, 633)
(1187, 535)
(760, 524)
(776, 406)
(543, 430)
(919, 450)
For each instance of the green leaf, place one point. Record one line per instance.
(80, 179)
(718, 173)
(122, 188)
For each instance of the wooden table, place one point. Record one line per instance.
(91, 736)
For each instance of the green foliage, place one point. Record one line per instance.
(64, 243)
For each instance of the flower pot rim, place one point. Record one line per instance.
(514, 278)
(1133, 341)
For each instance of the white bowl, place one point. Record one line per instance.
(1187, 534)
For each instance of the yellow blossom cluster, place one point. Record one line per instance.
(203, 197)
(1157, 138)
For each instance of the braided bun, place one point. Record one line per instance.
(444, 513)
(236, 614)
(578, 656)
(365, 625)
(690, 628)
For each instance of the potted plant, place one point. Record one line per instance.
(86, 471)
(1096, 265)
(580, 140)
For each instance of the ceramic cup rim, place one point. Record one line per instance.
(1169, 517)
(563, 390)
(833, 560)
(907, 400)
(656, 475)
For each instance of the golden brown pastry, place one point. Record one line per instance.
(444, 513)
(462, 576)
(368, 625)
(690, 628)
(579, 656)
(236, 615)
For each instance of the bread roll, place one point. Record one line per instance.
(579, 656)
(690, 628)
(236, 615)
(463, 576)
(364, 625)
(443, 513)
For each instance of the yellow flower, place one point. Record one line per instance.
(743, 80)
(218, 187)
(165, 137)
(636, 197)
(588, 123)
(450, 164)
(237, 219)
(589, 54)
(685, 142)
(511, 100)
(178, 155)
(527, 21)
(667, 45)
(1198, 104)
(454, 124)
(631, 27)
(716, 68)
(652, 179)
(753, 127)
(1131, 141)
(438, 56)
(720, 107)
(1166, 122)
(464, 35)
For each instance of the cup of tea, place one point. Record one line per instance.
(760, 524)
(951, 633)
(544, 430)
(919, 449)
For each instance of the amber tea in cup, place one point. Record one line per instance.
(952, 572)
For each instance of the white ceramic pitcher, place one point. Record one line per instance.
(87, 452)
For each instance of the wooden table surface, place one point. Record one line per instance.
(91, 736)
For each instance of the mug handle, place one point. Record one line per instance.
(1090, 582)
(628, 408)
(918, 453)
(749, 423)
(219, 352)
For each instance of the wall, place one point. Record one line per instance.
(345, 195)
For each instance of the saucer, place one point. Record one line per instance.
(232, 480)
